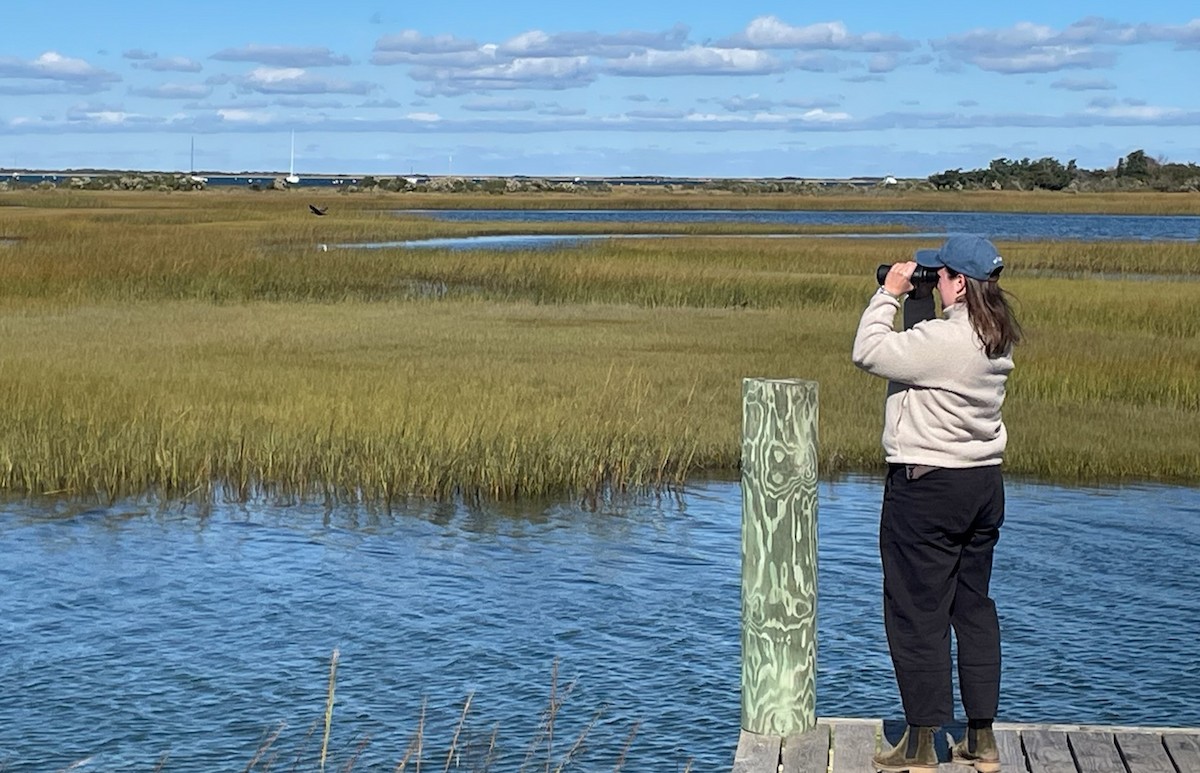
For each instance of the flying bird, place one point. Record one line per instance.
(317, 210)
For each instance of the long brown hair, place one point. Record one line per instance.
(991, 316)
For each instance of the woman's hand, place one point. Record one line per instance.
(899, 278)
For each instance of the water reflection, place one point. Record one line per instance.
(134, 630)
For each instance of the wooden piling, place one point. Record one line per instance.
(779, 555)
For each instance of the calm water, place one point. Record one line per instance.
(996, 225)
(129, 633)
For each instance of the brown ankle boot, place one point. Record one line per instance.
(978, 749)
(914, 753)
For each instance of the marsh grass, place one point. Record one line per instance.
(153, 348)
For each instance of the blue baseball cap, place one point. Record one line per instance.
(971, 256)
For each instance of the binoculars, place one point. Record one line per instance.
(922, 276)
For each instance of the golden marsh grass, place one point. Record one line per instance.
(203, 346)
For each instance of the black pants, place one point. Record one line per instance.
(936, 536)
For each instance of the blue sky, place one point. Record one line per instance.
(655, 87)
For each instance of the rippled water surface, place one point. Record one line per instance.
(132, 633)
(996, 225)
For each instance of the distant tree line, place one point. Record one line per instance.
(1137, 170)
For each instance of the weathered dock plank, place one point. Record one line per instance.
(853, 746)
(806, 752)
(844, 745)
(1012, 756)
(1144, 753)
(1184, 750)
(1048, 751)
(757, 753)
(1096, 752)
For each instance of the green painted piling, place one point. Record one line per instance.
(779, 555)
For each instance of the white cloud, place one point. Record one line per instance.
(168, 64)
(380, 103)
(1083, 84)
(499, 105)
(476, 57)
(1050, 59)
(173, 91)
(101, 116)
(696, 61)
(1184, 36)
(1136, 112)
(1100, 31)
(237, 115)
(751, 103)
(1026, 47)
(772, 32)
(531, 73)
(282, 56)
(823, 116)
(306, 103)
(809, 104)
(813, 62)
(566, 44)
(564, 112)
(659, 113)
(272, 75)
(411, 42)
(54, 66)
(296, 80)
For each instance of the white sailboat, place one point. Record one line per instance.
(192, 167)
(292, 179)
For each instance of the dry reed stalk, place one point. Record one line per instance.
(415, 743)
(358, 750)
(458, 731)
(333, 661)
(625, 749)
(575, 747)
(490, 756)
(264, 746)
(546, 726)
(312, 728)
(552, 713)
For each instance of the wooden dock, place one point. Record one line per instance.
(846, 746)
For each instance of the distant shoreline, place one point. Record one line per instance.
(327, 178)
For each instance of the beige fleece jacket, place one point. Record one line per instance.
(944, 396)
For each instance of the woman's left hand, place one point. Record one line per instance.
(899, 278)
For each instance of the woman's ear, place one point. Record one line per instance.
(959, 282)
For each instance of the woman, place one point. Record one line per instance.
(943, 501)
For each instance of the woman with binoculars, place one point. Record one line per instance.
(943, 499)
